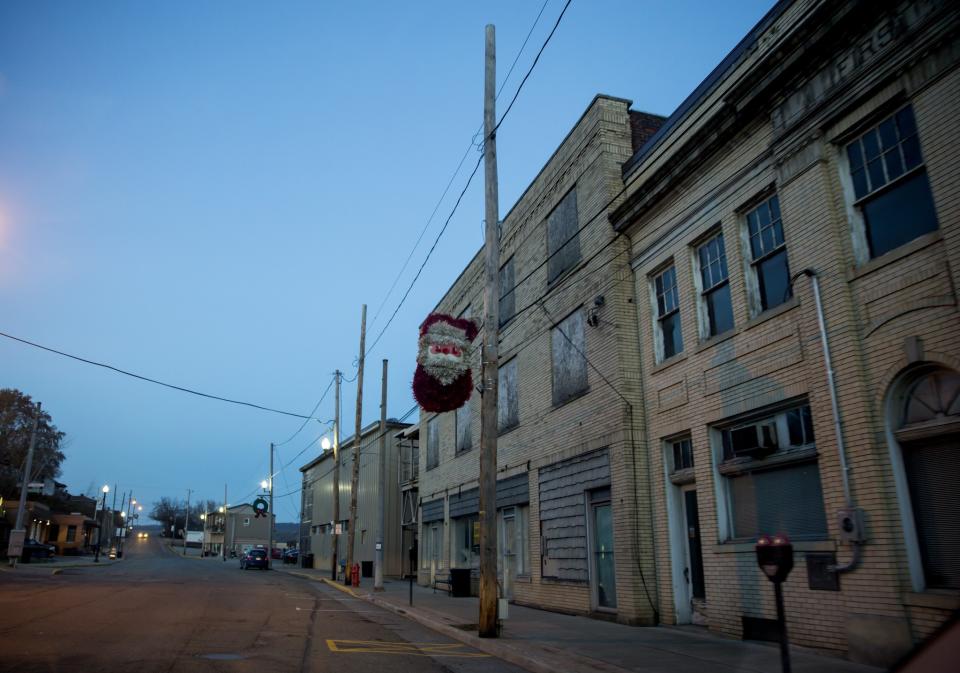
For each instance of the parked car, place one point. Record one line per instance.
(255, 558)
(277, 553)
(34, 549)
(291, 555)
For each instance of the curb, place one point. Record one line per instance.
(551, 660)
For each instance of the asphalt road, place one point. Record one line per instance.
(157, 611)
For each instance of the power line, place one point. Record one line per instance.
(456, 171)
(470, 179)
(307, 420)
(155, 381)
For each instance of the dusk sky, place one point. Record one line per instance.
(205, 193)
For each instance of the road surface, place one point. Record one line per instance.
(157, 611)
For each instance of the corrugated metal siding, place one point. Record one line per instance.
(513, 490)
(431, 511)
(563, 521)
(462, 504)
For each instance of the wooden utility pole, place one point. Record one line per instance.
(382, 489)
(491, 320)
(336, 478)
(355, 479)
(223, 545)
(270, 513)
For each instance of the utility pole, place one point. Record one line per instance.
(355, 479)
(223, 545)
(382, 489)
(270, 513)
(336, 478)
(186, 522)
(18, 534)
(123, 523)
(489, 354)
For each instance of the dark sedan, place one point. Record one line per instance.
(34, 549)
(255, 558)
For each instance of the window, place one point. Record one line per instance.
(569, 361)
(508, 407)
(563, 242)
(432, 544)
(514, 540)
(669, 337)
(890, 184)
(682, 454)
(71, 533)
(507, 303)
(246, 521)
(466, 541)
(433, 442)
(717, 312)
(770, 272)
(463, 417)
(772, 479)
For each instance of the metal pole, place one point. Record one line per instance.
(270, 513)
(378, 565)
(336, 478)
(103, 518)
(223, 544)
(488, 409)
(782, 620)
(186, 522)
(355, 478)
(25, 479)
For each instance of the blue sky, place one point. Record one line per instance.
(206, 193)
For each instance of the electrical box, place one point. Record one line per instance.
(851, 525)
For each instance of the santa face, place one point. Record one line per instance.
(444, 352)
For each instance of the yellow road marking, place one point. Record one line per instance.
(415, 649)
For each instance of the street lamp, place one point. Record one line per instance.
(325, 443)
(103, 511)
(264, 485)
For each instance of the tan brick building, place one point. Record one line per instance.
(826, 141)
(573, 516)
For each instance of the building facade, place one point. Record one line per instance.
(572, 533)
(243, 529)
(811, 179)
(318, 517)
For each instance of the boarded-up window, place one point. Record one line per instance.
(507, 295)
(569, 361)
(433, 443)
(563, 518)
(563, 237)
(464, 434)
(508, 407)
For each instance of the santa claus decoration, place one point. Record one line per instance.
(443, 381)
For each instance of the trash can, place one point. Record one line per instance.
(306, 561)
(460, 582)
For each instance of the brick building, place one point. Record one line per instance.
(825, 143)
(572, 503)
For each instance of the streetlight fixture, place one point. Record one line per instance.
(103, 511)
(264, 485)
(325, 444)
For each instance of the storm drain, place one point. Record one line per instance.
(222, 656)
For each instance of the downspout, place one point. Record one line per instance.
(851, 519)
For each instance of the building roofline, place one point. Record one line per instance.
(392, 423)
(706, 87)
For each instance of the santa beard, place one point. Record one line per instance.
(434, 396)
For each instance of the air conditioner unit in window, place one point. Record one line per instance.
(754, 441)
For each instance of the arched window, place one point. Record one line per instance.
(929, 437)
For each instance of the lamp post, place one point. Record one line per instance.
(775, 558)
(103, 517)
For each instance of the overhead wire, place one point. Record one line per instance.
(456, 171)
(307, 420)
(151, 380)
(470, 179)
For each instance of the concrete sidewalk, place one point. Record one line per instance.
(57, 563)
(548, 642)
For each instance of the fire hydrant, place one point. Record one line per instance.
(355, 575)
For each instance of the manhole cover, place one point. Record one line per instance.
(222, 656)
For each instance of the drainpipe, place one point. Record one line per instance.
(851, 519)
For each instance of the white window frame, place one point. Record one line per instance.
(659, 345)
(750, 271)
(703, 313)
